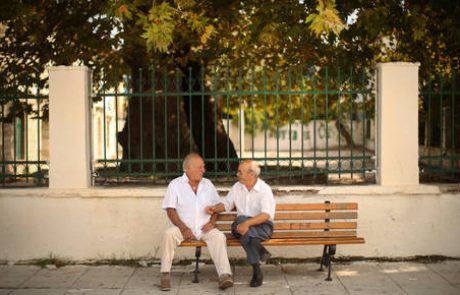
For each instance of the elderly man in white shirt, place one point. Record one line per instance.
(255, 207)
(185, 201)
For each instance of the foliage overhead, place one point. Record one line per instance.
(114, 36)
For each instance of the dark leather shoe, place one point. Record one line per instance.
(165, 281)
(257, 277)
(257, 281)
(225, 281)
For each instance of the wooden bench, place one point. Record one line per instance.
(328, 224)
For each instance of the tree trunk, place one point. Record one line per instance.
(207, 127)
(344, 132)
(169, 127)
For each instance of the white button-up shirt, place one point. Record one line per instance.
(190, 206)
(251, 203)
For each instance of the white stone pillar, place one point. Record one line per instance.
(397, 123)
(69, 127)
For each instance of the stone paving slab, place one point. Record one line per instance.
(274, 281)
(348, 278)
(305, 279)
(94, 292)
(366, 279)
(105, 277)
(417, 278)
(146, 280)
(60, 278)
(15, 276)
(34, 291)
(449, 270)
(154, 291)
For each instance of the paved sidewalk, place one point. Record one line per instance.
(353, 278)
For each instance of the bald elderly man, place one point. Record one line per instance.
(185, 201)
(255, 207)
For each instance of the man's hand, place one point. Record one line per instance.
(187, 234)
(209, 210)
(214, 209)
(207, 227)
(242, 228)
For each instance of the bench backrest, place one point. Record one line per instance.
(315, 220)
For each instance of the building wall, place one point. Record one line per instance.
(107, 126)
(35, 133)
(293, 138)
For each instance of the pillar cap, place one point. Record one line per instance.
(398, 64)
(69, 68)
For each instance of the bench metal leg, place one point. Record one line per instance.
(196, 271)
(326, 260)
(322, 258)
(330, 254)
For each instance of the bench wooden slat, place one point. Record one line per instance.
(299, 215)
(312, 241)
(301, 225)
(315, 225)
(306, 234)
(287, 242)
(316, 215)
(312, 234)
(226, 217)
(318, 206)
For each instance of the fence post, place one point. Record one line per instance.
(397, 123)
(69, 127)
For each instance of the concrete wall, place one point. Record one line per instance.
(126, 223)
(71, 220)
(69, 127)
(397, 123)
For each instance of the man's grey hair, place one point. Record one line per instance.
(187, 160)
(254, 167)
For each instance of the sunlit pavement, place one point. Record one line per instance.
(348, 278)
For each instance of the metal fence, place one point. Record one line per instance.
(439, 130)
(303, 125)
(24, 135)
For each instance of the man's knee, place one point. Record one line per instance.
(170, 233)
(218, 235)
(245, 239)
(222, 236)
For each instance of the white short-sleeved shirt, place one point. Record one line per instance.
(251, 203)
(190, 206)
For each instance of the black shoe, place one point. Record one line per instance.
(257, 277)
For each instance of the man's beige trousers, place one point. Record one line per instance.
(214, 239)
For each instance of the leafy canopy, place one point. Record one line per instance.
(114, 36)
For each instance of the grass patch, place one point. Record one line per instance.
(60, 262)
(51, 260)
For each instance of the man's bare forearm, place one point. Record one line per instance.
(174, 217)
(261, 218)
(218, 208)
(214, 218)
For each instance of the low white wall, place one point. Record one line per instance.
(125, 223)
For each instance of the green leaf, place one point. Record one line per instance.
(159, 27)
(327, 19)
